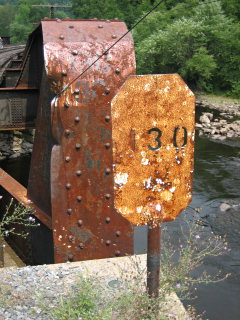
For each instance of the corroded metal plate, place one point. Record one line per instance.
(153, 145)
(85, 223)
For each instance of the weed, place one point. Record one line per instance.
(127, 296)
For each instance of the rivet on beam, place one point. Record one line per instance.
(108, 171)
(67, 132)
(77, 119)
(81, 245)
(79, 198)
(70, 257)
(117, 71)
(61, 37)
(108, 242)
(107, 91)
(80, 223)
(108, 219)
(67, 159)
(107, 145)
(118, 233)
(68, 186)
(74, 52)
(78, 173)
(114, 36)
(69, 211)
(107, 118)
(77, 146)
(107, 196)
(117, 253)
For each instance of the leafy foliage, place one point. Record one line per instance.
(7, 13)
(127, 10)
(198, 39)
(27, 17)
(202, 45)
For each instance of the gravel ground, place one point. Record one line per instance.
(25, 292)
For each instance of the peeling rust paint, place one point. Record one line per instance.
(158, 158)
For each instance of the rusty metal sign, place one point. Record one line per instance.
(153, 145)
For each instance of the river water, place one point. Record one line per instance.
(216, 180)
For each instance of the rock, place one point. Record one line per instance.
(230, 134)
(207, 130)
(14, 155)
(205, 119)
(224, 207)
(198, 125)
(224, 130)
(221, 138)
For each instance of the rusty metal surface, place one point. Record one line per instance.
(153, 260)
(20, 194)
(85, 223)
(153, 145)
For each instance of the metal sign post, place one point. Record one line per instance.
(153, 259)
(153, 140)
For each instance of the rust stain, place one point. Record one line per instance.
(153, 173)
(81, 159)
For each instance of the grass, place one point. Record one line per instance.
(96, 300)
(215, 98)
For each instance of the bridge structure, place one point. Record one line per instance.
(111, 149)
(70, 187)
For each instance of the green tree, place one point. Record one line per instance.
(89, 9)
(197, 41)
(26, 18)
(232, 8)
(126, 10)
(7, 13)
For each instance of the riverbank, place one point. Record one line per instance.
(14, 144)
(219, 118)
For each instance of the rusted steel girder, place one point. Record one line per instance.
(20, 194)
(71, 171)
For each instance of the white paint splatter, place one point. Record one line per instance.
(159, 181)
(147, 87)
(172, 189)
(166, 89)
(148, 183)
(145, 162)
(121, 179)
(158, 207)
(139, 209)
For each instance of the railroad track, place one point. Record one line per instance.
(7, 54)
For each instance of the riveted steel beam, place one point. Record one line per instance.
(72, 153)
